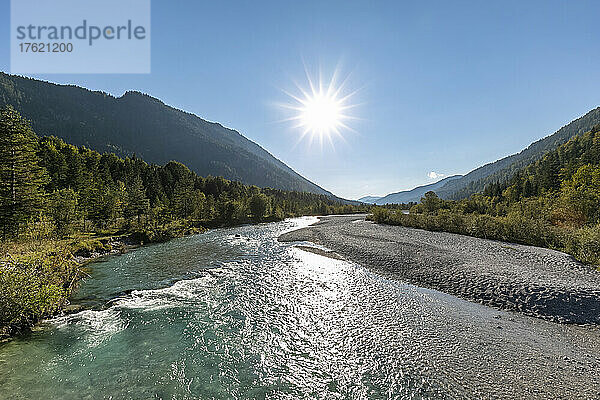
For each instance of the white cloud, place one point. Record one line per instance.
(434, 175)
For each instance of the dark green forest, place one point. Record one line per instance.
(137, 123)
(504, 169)
(57, 199)
(553, 202)
(55, 189)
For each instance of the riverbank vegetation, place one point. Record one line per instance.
(553, 203)
(57, 200)
(36, 280)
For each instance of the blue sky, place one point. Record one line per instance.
(443, 86)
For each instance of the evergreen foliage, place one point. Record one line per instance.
(554, 202)
(79, 189)
(51, 191)
(21, 177)
(118, 125)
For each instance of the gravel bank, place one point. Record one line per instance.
(535, 281)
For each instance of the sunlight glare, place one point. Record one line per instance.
(320, 112)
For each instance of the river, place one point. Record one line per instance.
(233, 313)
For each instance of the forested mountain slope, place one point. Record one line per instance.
(554, 202)
(138, 124)
(503, 169)
(572, 170)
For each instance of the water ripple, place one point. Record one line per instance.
(259, 319)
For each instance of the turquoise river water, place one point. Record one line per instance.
(233, 313)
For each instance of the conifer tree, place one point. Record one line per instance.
(63, 210)
(183, 197)
(137, 203)
(21, 177)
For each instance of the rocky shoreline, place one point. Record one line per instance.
(538, 282)
(108, 246)
(77, 255)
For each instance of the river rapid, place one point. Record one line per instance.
(233, 313)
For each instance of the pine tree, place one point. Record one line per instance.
(137, 203)
(21, 177)
(63, 209)
(183, 197)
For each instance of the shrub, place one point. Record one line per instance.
(34, 286)
(515, 227)
(587, 245)
(380, 214)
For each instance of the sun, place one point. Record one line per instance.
(321, 111)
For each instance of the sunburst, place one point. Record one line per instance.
(321, 110)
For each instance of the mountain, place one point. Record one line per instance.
(139, 124)
(503, 169)
(369, 199)
(416, 193)
(572, 169)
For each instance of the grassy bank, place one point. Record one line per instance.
(583, 243)
(39, 273)
(61, 203)
(37, 276)
(553, 202)
(36, 280)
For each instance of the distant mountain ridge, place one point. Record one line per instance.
(369, 199)
(503, 169)
(415, 194)
(136, 123)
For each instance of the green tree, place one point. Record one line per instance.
(431, 202)
(137, 203)
(581, 193)
(198, 204)
(21, 177)
(278, 213)
(259, 204)
(183, 197)
(63, 209)
(227, 211)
